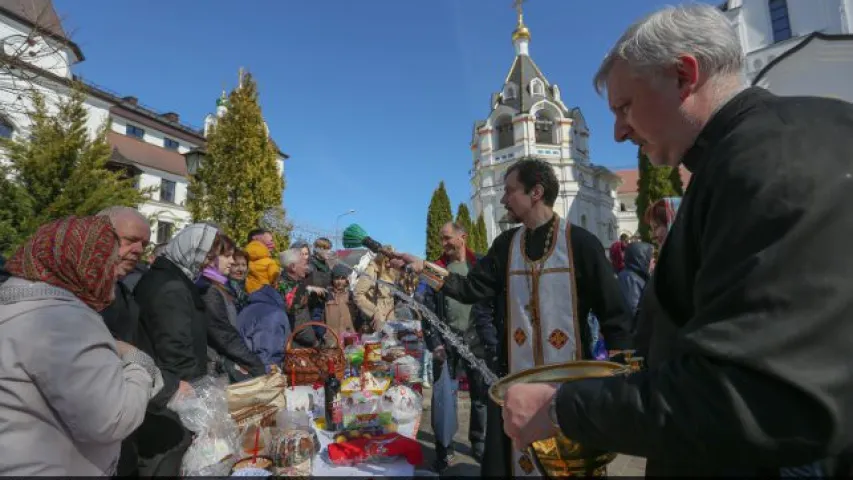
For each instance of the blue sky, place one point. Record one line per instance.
(374, 100)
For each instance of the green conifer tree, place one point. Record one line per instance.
(58, 170)
(653, 184)
(439, 213)
(675, 181)
(482, 239)
(463, 219)
(239, 180)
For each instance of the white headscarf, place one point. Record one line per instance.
(189, 248)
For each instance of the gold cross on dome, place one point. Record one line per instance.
(517, 5)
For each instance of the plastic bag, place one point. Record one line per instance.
(215, 447)
(363, 410)
(444, 423)
(403, 403)
(406, 369)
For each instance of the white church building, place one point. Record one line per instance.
(529, 118)
(148, 145)
(797, 47)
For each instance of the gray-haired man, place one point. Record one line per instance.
(749, 363)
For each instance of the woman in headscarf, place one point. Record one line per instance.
(69, 393)
(232, 357)
(171, 309)
(659, 216)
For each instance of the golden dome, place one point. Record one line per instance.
(521, 31)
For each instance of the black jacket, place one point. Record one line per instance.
(174, 317)
(122, 319)
(133, 277)
(755, 283)
(222, 334)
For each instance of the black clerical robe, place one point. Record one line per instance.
(755, 293)
(597, 291)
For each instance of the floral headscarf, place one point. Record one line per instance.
(189, 248)
(78, 254)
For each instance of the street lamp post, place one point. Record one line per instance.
(194, 158)
(338, 219)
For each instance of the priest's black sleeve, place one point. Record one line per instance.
(762, 374)
(598, 288)
(486, 279)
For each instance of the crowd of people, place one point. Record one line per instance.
(101, 340)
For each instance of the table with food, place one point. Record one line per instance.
(353, 409)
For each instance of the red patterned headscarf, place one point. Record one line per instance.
(78, 254)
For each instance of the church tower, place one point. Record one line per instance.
(528, 118)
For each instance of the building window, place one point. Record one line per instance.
(779, 20)
(537, 87)
(545, 133)
(167, 191)
(506, 133)
(509, 91)
(6, 128)
(171, 144)
(622, 207)
(164, 231)
(134, 131)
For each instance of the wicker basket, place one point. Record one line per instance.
(307, 366)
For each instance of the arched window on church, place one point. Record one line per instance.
(505, 133)
(537, 87)
(545, 131)
(6, 128)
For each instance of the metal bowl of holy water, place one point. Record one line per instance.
(559, 456)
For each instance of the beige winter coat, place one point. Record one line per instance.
(66, 398)
(376, 301)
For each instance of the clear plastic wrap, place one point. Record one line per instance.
(215, 447)
(403, 403)
(406, 369)
(363, 410)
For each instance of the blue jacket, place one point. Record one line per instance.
(264, 325)
(633, 278)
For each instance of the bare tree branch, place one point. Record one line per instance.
(25, 56)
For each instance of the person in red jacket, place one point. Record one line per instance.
(617, 253)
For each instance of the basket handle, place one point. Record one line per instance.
(298, 329)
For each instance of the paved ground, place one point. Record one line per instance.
(464, 465)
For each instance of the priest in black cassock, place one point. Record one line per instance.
(750, 369)
(548, 275)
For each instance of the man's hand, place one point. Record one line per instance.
(320, 291)
(185, 388)
(401, 260)
(525, 413)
